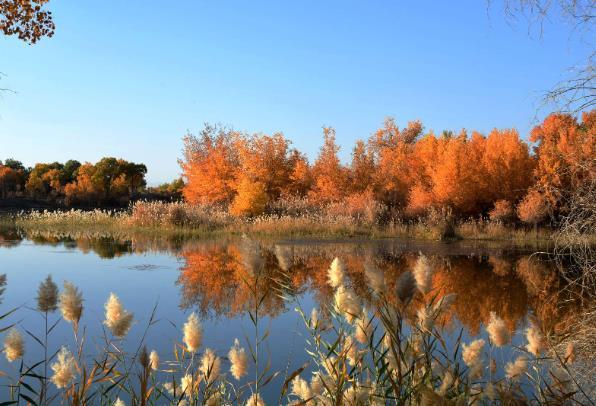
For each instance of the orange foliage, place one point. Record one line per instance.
(210, 165)
(533, 208)
(84, 189)
(251, 198)
(300, 180)
(502, 211)
(8, 180)
(264, 159)
(467, 175)
(330, 177)
(565, 151)
(394, 153)
(362, 170)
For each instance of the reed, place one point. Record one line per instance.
(358, 355)
(178, 218)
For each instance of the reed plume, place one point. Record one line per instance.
(301, 389)
(214, 399)
(255, 400)
(238, 360)
(423, 274)
(154, 360)
(188, 385)
(71, 304)
(490, 391)
(284, 257)
(513, 370)
(119, 402)
(446, 383)
(251, 257)
(406, 287)
(351, 351)
(2, 285)
(472, 352)
(47, 296)
(64, 369)
(193, 333)
(364, 328)
(535, 340)
(314, 318)
(375, 277)
(14, 345)
(316, 384)
(426, 319)
(210, 365)
(497, 330)
(570, 353)
(336, 273)
(118, 320)
(347, 303)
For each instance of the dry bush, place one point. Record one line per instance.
(292, 205)
(360, 206)
(160, 214)
(502, 212)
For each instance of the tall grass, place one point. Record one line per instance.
(357, 355)
(292, 218)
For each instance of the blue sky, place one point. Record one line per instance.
(130, 78)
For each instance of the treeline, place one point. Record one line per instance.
(402, 170)
(110, 181)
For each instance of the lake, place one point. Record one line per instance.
(177, 276)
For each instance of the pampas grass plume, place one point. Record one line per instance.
(47, 295)
(210, 365)
(535, 340)
(14, 345)
(336, 273)
(193, 333)
(497, 330)
(513, 370)
(71, 304)
(423, 274)
(239, 360)
(118, 320)
(64, 369)
(255, 400)
(406, 287)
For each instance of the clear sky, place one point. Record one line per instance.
(130, 78)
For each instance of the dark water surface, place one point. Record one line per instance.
(209, 277)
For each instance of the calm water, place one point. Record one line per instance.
(208, 277)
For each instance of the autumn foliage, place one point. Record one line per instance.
(109, 181)
(398, 171)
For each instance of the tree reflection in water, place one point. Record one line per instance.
(214, 274)
(511, 284)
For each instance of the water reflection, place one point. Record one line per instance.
(213, 274)
(510, 283)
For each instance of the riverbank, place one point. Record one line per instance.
(177, 219)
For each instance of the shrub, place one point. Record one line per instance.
(534, 208)
(502, 212)
(360, 206)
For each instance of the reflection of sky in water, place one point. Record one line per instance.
(141, 280)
